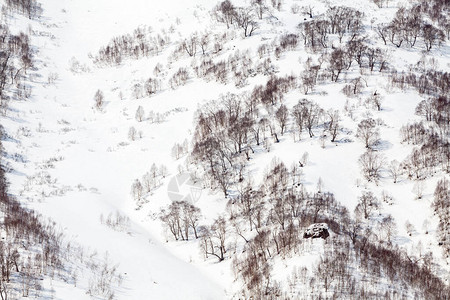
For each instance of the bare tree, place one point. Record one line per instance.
(99, 99)
(367, 203)
(371, 163)
(282, 115)
(334, 124)
(132, 133)
(214, 239)
(309, 76)
(389, 227)
(418, 188)
(190, 45)
(171, 218)
(432, 36)
(299, 116)
(337, 63)
(375, 100)
(203, 42)
(151, 86)
(260, 7)
(395, 170)
(225, 12)
(308, 10)
(139, 113)
(245, 19)
(148, 182)
(137, 192)
(409, 228)
(191, 217)
(137, 90)
(368, 132)
(383, 31)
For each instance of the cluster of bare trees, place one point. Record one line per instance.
(228, 130)
(278, 210)
(389, 264)
(104, 278)
(214, 239)
(429, 82)
(139, 44)
(149, 182)
(146, 88)
(196, 42)
(271, 218)
(432, 150)
(341, 59)
(115, 221)
(269, 221)
(225, 124)
(441, 205)
(430, 136)
(338, 20)
(180, 149)
(31, 8)
(240, 65)
(273, 91)
(431, 139)
(243, 18)
(181, 218)
(407, 26)
(209, 70)
(16, 57)
(436, 110)
(30, 247)
(179, 78)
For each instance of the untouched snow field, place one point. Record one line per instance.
(79, 164)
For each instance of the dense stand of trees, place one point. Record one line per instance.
(269, 219)
(229, 130)
(353, 245)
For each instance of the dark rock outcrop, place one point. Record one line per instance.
(317, 230)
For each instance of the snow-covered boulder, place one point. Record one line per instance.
(317, 230)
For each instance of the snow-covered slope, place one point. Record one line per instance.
(80, 162)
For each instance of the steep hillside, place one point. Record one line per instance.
(182, 148)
